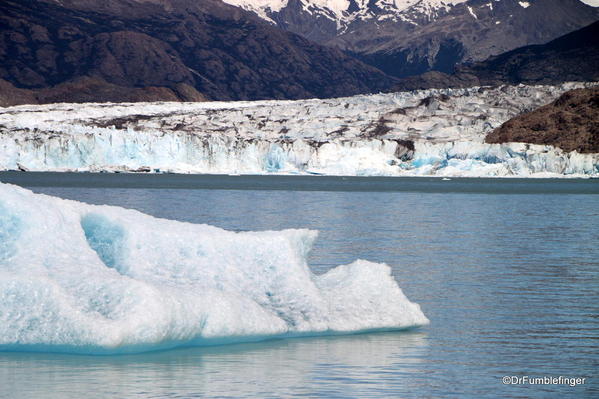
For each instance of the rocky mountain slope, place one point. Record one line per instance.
(408, 37)
(571, 123)
(128, 50)
(94, 89)
(572, 57)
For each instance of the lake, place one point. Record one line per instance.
(507, 270)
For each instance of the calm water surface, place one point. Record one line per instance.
(507, 271)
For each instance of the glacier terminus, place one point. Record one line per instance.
(422, 133)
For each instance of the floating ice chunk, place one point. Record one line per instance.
(98, 279)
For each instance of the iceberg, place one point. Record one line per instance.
(80, 278)
(427, 132)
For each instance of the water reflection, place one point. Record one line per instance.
(344, 366)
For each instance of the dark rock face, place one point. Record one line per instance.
(129, 59)
(166, 49)
(413, 61)
(572, 57)
(571, 123)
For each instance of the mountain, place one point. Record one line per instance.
(408, 37)
(147, 50)
(571, 123)
(572, 57)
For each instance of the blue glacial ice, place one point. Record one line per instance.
(98, 279)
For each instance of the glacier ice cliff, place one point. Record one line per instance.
(100, 279)
(428, 132)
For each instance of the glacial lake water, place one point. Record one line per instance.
(507, 270)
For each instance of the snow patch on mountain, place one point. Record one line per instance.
(472, 13)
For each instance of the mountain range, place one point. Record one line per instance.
(409, 37)
(195, 50)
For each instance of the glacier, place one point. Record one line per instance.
(422, 133)
(81, 278)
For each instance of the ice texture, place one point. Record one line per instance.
(98, 279)
(428, 132)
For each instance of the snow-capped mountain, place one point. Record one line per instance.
(343, 12)
(407, 37)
